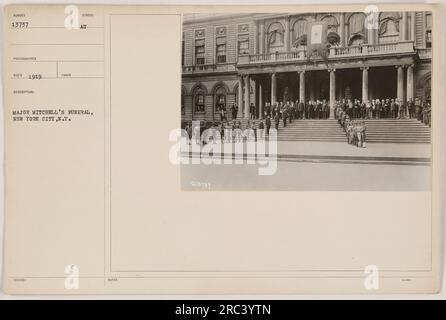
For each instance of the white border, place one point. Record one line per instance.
(3, 296)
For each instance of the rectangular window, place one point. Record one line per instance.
(243, 45)
(199, 52)
(199, 103)
(428, 21)
(428, 38)
(428, 31)
(182, 52)
(221, 50)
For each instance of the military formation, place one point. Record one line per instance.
(355, 130)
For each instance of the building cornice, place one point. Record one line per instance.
(239, 17)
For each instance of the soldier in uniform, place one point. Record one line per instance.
(276, 120)
(261, 130)
(411, 107)
(417, 108)
(268, 109)
(316, 109)
(222, 114)
(320, 109)
(363, 110)
(393, 109)
(300, 109)
(429, 110)
(268, 124)
(285, 112)
(386, 109)
(234, 110)
(325, 109)
(290, 111)
(350, 108)
(361, 129)
(401, 109)
(308, 110)
(252, 111)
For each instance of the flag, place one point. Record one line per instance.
(317, 40)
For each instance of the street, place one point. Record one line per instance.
(308, 176)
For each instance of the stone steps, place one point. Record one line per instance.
(397, 130)
(378, 130)
(383, 131)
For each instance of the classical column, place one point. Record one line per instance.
(400, 83)
(247, 94)
(254, 93)
(403, 27)
(412, 26)
(260, 100)
(273, 88)
(302, 86)
(365, 84)
(410, 84)
(342, 29)
(240, 97)
(262, 36)
(287, 34)
(332, 91)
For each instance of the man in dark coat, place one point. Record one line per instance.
(300, 109)
(276, 120)
(411, 108)
(252, 111)
(268, 124)
(285, 115)
(393, 109)
(417, 108)
(268, 109)
(234, 110)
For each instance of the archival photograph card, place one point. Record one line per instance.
(222, 149)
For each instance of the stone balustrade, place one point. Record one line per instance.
(333, 52)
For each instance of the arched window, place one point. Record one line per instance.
(275, 37)
(183, 100)
(356, 29)
(219, 98)
(299, 29)
(356, 40)
(332, 23)
(199, 95)
(388, 27)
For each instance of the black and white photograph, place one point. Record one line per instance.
(308, 101)
(233, 152)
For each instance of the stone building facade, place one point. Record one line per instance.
(256, 58)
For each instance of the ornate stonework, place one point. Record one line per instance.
(220, 31)
(242, 28)
(199, 33)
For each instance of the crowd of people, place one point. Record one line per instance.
(384, 109)
(355, 108)
(349, 112)
(312, 109)
(226, 131)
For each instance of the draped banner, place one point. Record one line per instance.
(317, 40)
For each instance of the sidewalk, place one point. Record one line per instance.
(343, 149)
(339, 152)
